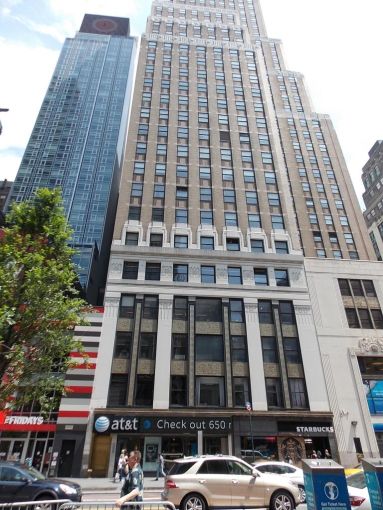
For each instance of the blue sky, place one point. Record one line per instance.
(336, 44)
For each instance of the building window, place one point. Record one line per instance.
(208, 310)
(238, 348)
(134, 213)
(178, 390)
(234, 275)
(286, 312)
(277, 222)
(180, 273)
(153, 271)
(144, 390)
(206, 243)
(181, 241)
(274, 392)
(156, 240)
(210, 391)
(123, 344)
(209, 348)
(233, 244)
(180, 308)
(281, 247)
(241, 393)
(207, 274)
(147, 346)
(126, 306)
(118, 389)
(352, 318)
(282, 277)
(365, 319)
(269, 349)
(179, 346)
(150, 307)
(291, 349)
(297, 393)
(131, 239)
(254, 220)
(206, 217)
(257, 245)
(265, 312)
(236, 311)
(181, 216)
(130, 271)
(260, 276)
(158, 214)
(231, 219)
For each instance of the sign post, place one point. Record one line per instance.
(325, 485)
(249, 408)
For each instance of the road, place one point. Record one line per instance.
(112, 496)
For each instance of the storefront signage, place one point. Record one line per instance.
(306, 427)
(24, 423)
(106, 424)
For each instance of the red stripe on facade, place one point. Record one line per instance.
(83, 354)
(79, 389)
(73, 414)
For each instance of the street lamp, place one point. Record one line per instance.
(249, 408)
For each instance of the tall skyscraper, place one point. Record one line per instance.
(78, 140)
(373, 196)
(237, 238)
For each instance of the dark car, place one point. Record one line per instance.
(19, 483)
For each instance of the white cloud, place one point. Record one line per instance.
(28, 73)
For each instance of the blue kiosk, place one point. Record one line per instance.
(325, 485)
(373, 472)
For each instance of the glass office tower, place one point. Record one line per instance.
(78, 140)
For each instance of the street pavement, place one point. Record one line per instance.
(103, 485)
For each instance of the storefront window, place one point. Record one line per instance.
(241, 391)
(274, 392)
(178, 390)
(210, 391)
(264, 447)
(374, 394)
(209, 348)
(144, 390)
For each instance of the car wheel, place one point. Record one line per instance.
(282, 500)
(44, 506)
(193, 502)
(302, 493)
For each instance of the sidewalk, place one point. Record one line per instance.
(108, 485)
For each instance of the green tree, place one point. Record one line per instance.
(39, 306)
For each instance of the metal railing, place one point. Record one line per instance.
(66, 504)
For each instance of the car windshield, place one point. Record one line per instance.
(34, 473)
(357, 480)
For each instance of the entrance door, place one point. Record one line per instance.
(66, 457)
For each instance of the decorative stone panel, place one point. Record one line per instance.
(271, 370)
(145, 366)
(212, 368)
(120, 366)
(178, 367)
(240, 369)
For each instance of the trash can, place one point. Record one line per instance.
(325, 485)
(373, 473)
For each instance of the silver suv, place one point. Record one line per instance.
(199, 483)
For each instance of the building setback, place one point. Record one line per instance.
(373, 195)
(78, 140)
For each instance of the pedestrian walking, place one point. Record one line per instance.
(327, 454)
(160, 466)
(319, 454)
(121, 466)
(314, 455)
(133, 487)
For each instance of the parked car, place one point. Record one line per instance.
(358, 492)
(19, 483)
(287, 471)
(197, 483)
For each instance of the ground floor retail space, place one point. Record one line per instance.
(257, 438)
